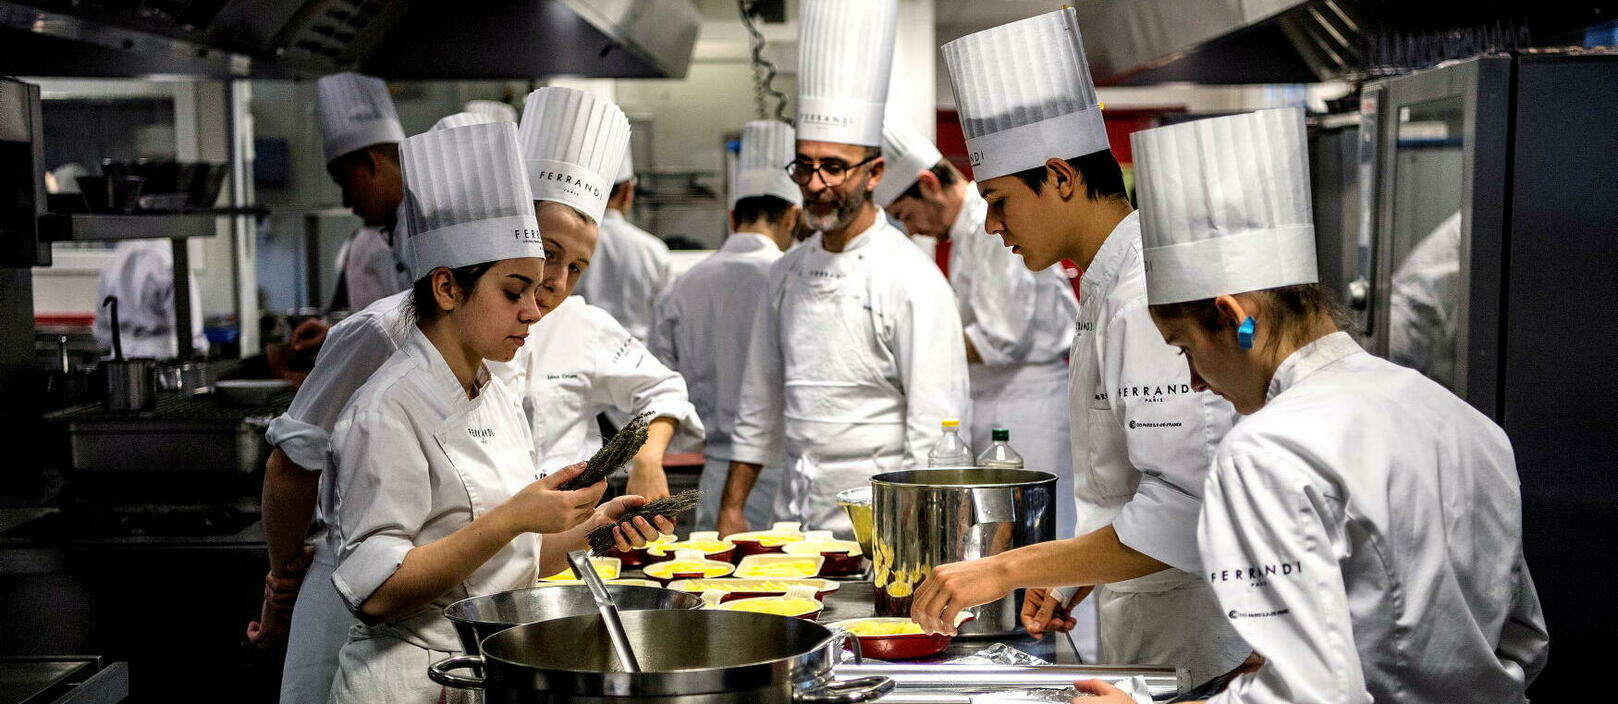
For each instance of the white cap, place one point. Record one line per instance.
(626, 170)
(355, 112)
(466, 198)
(1224, 206)
(573, 145)
(908, 152)
(845, 50)
(761, 168)
(1025, 95)
(462, 119)
(495, 109)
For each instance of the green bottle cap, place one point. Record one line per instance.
(1001, 435)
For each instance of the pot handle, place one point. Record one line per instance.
(862, 689)
(440, 671)
(840, 638)
(993, 505)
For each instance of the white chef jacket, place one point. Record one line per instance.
(1363, 531)
(579, 362)
(1020, 322)
(1142, 444)
(1424, 302)
(854, 360)
(371, 270)
(701, 328)
(630, 269)
(419, 460)
(141, 275)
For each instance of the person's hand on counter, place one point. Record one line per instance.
(956, 586)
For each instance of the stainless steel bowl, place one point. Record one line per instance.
(482, 616)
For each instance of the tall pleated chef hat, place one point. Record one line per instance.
(761, 167)
(1025, 95)
(466, 198)
(462, 119)
(845, 51)
(1225, 206)
(573, 145)
(355, 112)
(908, 153)
(496, 110)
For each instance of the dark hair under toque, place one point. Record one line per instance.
(947, 176)
(1103, 177)
(1297, 308)
(770, 209)
(424, 306)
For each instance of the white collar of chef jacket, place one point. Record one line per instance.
(438, 377)
(1309, 359)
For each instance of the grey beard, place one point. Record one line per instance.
(845, 213)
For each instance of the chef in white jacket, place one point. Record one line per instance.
(1018, 323)
(438, 493)
(298, 481)
(141, 275)
(856, 353)
(1362, 526)
(360, 133)
(1142, 437)
(703, 323)
(631, 267)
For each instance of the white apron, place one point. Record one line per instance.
(320, 625)
(845, 420)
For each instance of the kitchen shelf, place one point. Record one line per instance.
(110, 228)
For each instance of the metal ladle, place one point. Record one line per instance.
(579, 560)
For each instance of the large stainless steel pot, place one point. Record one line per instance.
(928, 517)
(686, 657)
(482, 616)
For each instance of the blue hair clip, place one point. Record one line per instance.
(1244, 333)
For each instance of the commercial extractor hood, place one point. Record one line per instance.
(1140, 42)
(423, 39)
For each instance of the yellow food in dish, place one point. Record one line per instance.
(768, 539)
(820, 546)
(899, 589)
(754, 586)
(776, 605)
(883, 628)
(607, 570)
(707, 547)
(706, 569)
(784, 569)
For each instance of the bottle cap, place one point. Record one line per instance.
(1000, 435)
(950, 423)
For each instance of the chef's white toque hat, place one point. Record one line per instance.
(1025, 95)
(466, 198)
(573, 146)
(908, 152)
(845, 51)
(761, 168)
(1225, 206)
(355, 112)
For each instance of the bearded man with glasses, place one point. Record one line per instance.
(856, 352)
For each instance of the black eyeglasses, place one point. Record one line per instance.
(832, 173)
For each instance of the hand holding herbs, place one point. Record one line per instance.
(618, 451)
(602, 540)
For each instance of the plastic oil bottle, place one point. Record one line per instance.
(1000, 455)
(950, 450)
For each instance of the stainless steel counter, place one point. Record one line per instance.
(853, 600)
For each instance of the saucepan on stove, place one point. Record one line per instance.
(685, 657)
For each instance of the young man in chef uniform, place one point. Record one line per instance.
(856, 354)
(297, 478)
(631, 267)
(1018, 322)
(1142, 437)
(1362, 526)
(361, 135)
(703, 323)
